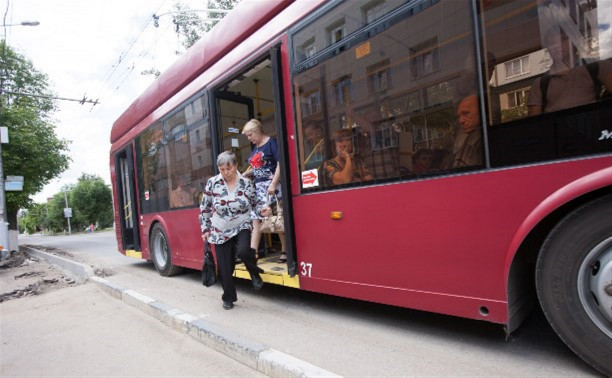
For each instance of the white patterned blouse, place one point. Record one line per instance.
(225, 213)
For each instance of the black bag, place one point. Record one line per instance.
(209, 269)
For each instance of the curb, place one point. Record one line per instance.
(256, 355)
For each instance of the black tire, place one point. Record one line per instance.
(160, 252)
(573, 271)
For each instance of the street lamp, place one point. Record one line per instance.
(4, 234)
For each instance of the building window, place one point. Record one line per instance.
(336, 32)
(311, 104)
(517, 98)
(342, 90)
(517, 67)
(379, 77)
(384, 137)
(373, 11)
(425, 58)
(309, 49)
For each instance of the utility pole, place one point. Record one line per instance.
(4, 237)
(68, 218)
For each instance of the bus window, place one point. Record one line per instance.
(392, 97)
(176, 158)
(548, 57)
(154, 183)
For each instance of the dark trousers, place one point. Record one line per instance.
(239, 246)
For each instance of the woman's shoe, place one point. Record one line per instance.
(283, 258)
(228, 305)
(257, 282)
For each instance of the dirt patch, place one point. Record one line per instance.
(52, 250)
(104, 272)
(24, 275)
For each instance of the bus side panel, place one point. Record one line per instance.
(184, 236)
(437, 245)
(557, 199)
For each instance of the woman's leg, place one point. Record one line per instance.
(247, 255)
(256, 234)
(225, 262)
(283, 256)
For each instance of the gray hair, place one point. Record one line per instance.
(226, 157)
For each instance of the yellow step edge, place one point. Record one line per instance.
(282, 279)
(133, 253)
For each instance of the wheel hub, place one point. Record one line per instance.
(595, 285)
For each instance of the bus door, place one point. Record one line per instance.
(128, 211)
(256, 92)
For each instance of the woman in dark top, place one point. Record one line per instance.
(266, 172)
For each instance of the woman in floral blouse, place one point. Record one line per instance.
(225, 220)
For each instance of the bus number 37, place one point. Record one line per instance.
(306, 269)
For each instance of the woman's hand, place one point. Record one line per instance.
(266, 211)
(205, 236)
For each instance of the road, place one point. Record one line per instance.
(347, 337)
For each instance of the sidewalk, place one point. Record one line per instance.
(81, 331)
(251, 353)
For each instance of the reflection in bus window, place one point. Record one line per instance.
(393, 96)
(547, 57)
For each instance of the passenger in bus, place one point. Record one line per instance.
(422, 161)
(225, 220)
(467, 147)
(183, 194)
(345, 167)
(564, 87)
(266, 173)
(314, 146)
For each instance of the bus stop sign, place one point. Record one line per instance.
(67, 212)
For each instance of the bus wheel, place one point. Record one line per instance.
(160, 252)
(574, 282)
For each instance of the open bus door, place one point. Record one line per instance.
(257, 93)
(126, 190)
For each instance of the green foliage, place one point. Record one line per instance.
(35, 219)
(92, 200)
(512, 114)
(190, 27)
(34, 151)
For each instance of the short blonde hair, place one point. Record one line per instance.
(253, 125)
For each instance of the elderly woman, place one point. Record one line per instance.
(266, 172)
(225, 221)
(345, 168)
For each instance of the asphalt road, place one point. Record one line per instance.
(347, 337)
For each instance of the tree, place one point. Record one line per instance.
(34, 219)
(92, 200)
(190, 27)
(34, 151)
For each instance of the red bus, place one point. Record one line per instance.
(481, 140)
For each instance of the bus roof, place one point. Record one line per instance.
(242, 21)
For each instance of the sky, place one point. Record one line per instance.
(96, 49)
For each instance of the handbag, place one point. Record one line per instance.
(209, 269)
(275, 222)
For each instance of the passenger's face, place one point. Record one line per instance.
(228, 171)
(344, 145)
(468, 114)
(312, 134)
(253, 136)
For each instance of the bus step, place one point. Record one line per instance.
(274, 273)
